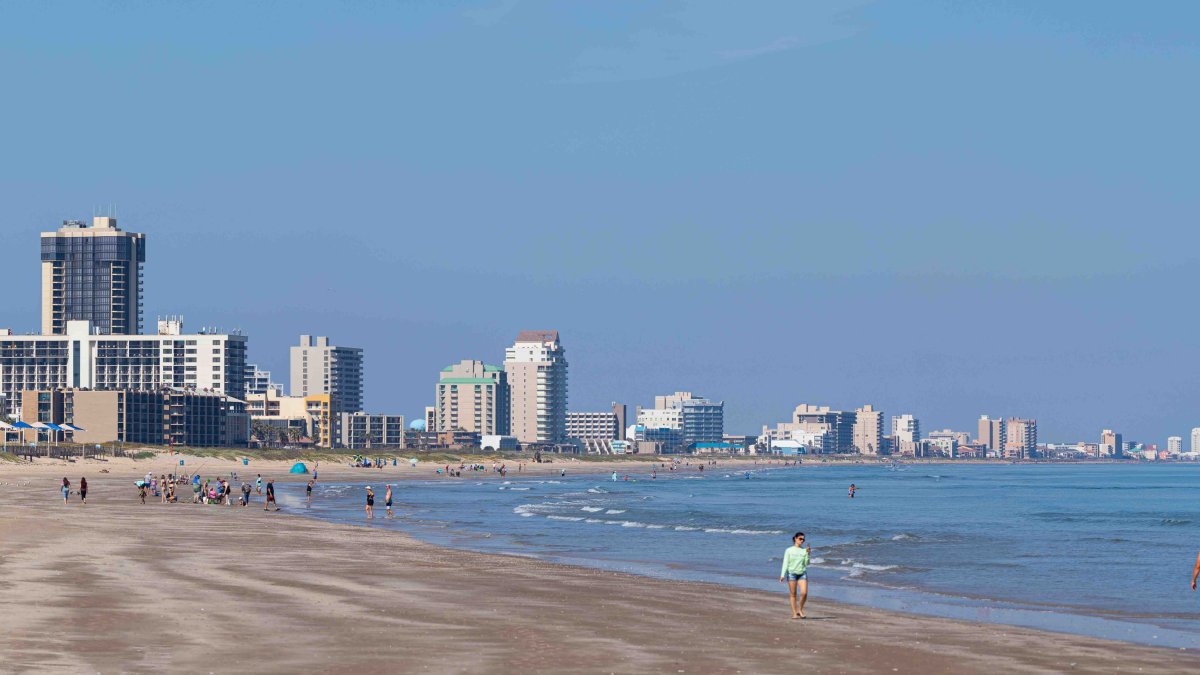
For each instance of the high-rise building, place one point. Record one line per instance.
(80, 359)
(1195, 447)
(473, 396)
(868, 430)
(992, 435)
(92, 274)
(906, 429)
(1175, 444)
(536, 365)
(431, 418)
(1020, 437)
(1111, 444)
(319, 367)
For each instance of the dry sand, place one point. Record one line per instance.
(115, 586)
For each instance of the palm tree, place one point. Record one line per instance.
(261, 431)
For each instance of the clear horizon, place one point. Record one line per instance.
(936, 209)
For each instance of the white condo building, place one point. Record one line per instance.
(536, 365)
(906, 429)
(1195, 440)
(81, 359)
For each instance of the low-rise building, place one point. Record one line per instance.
(596, 426)
(174, 417)
(366, 431)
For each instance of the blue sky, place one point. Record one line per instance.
(941, 208)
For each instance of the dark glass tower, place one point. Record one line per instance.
(93, 274)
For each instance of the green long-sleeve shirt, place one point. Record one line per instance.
(795, 561)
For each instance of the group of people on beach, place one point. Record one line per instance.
(221, 491)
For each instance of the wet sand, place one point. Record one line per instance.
(115, 586)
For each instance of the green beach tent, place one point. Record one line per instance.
(299, 467)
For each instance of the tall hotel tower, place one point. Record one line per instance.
(92, 274)
(536, 366)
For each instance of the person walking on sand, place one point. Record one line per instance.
(387, 501)
(271, 495)
(66, 489)
(245, 493)
(795, 573)
(83, 490)
(258, 484)
(370, 503)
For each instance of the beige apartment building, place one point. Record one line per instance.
(992, 435)
(320, 367)
(1111, 444)
(472, 396)
(536, 366)
(1020, 438)
(868, 430)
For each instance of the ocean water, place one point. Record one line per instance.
(1103, 550)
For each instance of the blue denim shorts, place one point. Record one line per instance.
(797, 577)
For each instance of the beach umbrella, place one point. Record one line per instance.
(21, 424)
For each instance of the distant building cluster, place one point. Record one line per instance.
(92, 376)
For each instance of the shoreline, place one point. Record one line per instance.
(115, 585)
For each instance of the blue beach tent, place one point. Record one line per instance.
(299, 467)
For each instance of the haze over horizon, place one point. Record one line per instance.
(938, 209)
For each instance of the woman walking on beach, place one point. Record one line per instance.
(82, 489)
(795, 573)
(66, 489)
(370, 503)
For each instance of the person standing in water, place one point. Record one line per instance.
(1196, 571)
(370, 503)
(387, 501)
(852, 490)
(795, 573)
(271, 495)
(308, 491)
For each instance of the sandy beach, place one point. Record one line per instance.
(117, 586)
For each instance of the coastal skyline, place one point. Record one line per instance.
(729, 235)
